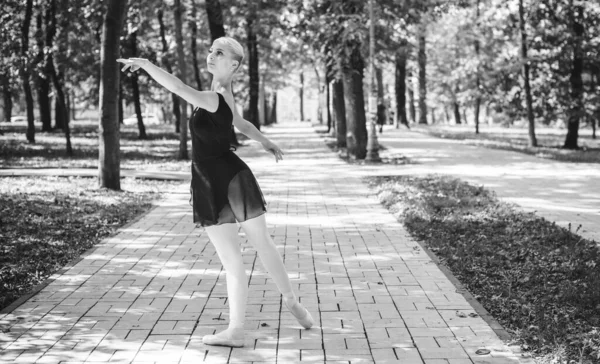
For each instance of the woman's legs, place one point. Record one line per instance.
(258, 235)
(225, 240)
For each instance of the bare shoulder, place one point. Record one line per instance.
(207, 100)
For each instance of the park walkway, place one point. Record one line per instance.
(566, 193)
(149, 293)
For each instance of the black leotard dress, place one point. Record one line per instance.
(223, 188)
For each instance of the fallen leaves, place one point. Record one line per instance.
(49, 221)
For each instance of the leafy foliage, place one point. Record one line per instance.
(539, 280)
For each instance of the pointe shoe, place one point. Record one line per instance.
(301, 314)
(223, 339)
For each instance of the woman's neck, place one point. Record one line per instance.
(221, 83)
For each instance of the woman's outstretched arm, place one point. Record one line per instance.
(248, 129)
(207, 100)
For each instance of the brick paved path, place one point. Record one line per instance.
(149, 294)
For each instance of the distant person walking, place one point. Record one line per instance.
(223, 188)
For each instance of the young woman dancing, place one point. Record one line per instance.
(223, 188)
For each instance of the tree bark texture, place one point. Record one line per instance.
(109, 147)
(301, 92)
(576, 111)
(411, 97)
(321, 96)
(525, 60)
(457, 120)
(26, 71)
(478, 70)
(252, 44)
(167, 64)
(422, 60)
(43, 79)
(400, 83)
(178, 12)
(273, 109)
(136, 89)
(339, 112)
(6, 97)
(193, 45)
(381, 109)
(356, 135)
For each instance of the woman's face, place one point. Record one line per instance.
(219, 60)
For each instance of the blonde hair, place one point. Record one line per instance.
(234, 47)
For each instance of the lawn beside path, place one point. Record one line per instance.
(149, 293)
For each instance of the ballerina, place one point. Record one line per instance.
(224, 190)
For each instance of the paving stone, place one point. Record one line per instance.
(149, 293)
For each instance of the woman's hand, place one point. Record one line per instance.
(133, 63)
(273, 149)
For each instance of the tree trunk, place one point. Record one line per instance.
(478, 75)
(525, 60)
(321, 92)
(136, 90)
(301, 91)
(61, 44)
(422, 60)
(339, 112)
(328, 101)
(26, 71)
(193, 46)
(109, 158)
(457, 120)
(7, 97)
(215, 19)
(356, 137)
(381, 110)
(167, 64)
(577, 109)
(252, 44)
(178, 11)
(411, 98)
(120, 104)
(273, 116)
(262, 99)
(400, 83)
(43, 83)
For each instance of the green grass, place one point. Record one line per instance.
(550, 141)
(540, 281)
(48, 221)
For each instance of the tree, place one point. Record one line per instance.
(253, 72)
(133, 27)
(109, 154)
(352, 77)
(525, 60)
(400, 84)
(193, 43)
(422, 61)
(26, 71)
(576, 109)
(165, 60)
(301, 95)
(181, 63)
(43, 76)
